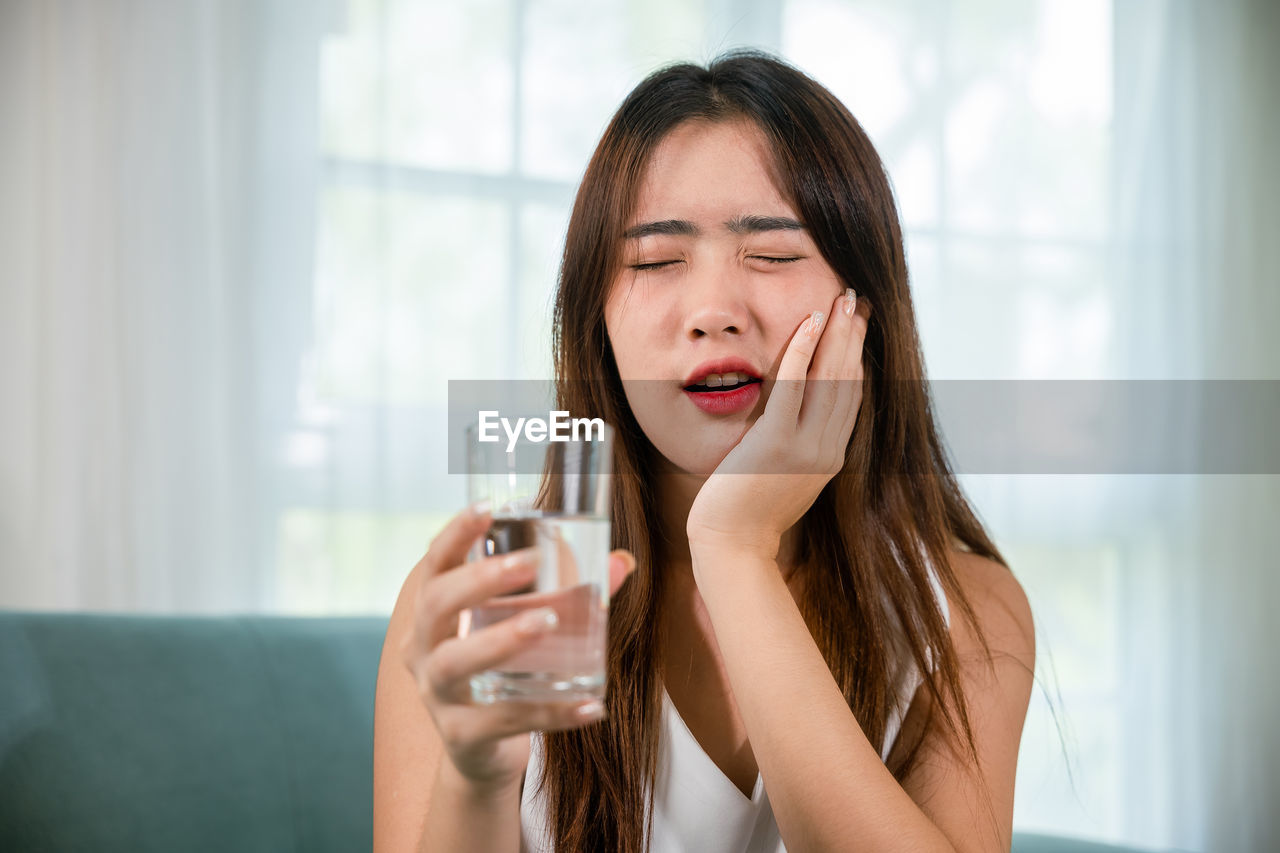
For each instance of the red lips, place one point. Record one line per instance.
(721, 365)
(739, 399)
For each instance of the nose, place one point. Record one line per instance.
(715, 300)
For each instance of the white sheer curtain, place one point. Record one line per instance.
(157, 220)
(234, 236)
(1182, 661)
(1201, 219)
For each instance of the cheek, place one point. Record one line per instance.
(621, 340)
(822, 282)
(613, 331)
(814, 288)
(631, 325)
(783, 308)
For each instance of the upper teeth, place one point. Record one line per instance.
(715, 380)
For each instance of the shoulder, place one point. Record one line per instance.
(1000, 606)
(996, 692)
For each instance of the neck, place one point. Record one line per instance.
(676, 493)
(686, 626)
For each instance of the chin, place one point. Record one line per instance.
(690, 444)
(696, 458)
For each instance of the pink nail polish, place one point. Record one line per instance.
(850, 301)
(815, 323)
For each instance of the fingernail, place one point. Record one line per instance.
(480, 508)
(850, 301)
(537, 621)
(518, 564)
(593, 710)
(815, 323)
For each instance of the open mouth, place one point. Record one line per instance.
(725, 394)
(719, 383)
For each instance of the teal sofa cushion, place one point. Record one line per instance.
(191, 734)
(1025, 842)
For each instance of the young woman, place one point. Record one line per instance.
(816, 646)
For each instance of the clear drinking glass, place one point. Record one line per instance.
(554, 496)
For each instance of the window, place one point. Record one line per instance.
(453, 138)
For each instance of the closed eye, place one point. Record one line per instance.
(653, 265)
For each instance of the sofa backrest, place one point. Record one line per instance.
(183, 733)
(193, 734)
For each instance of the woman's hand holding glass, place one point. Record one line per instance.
(487, 744)
(797, 445)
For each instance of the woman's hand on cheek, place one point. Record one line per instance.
(775, 473)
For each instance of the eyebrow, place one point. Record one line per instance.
(747, 224)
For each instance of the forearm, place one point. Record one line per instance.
(826, 781)
(463, 818)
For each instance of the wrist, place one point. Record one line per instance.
(710, 543)
(714, 555)
(478, 792)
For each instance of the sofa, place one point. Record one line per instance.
(141, 733)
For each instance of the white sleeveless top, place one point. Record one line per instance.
(695, 806)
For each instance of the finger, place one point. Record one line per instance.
(816, 427)
(449, 667)
(855, 372)
(829, 359)
(857, 314)
(447, 594)
(476, 723)
(828, 394)
(621, 565)
(787, 394)
(449, 548)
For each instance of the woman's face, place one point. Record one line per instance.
(717, 274)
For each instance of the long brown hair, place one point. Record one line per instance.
(865, 539)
